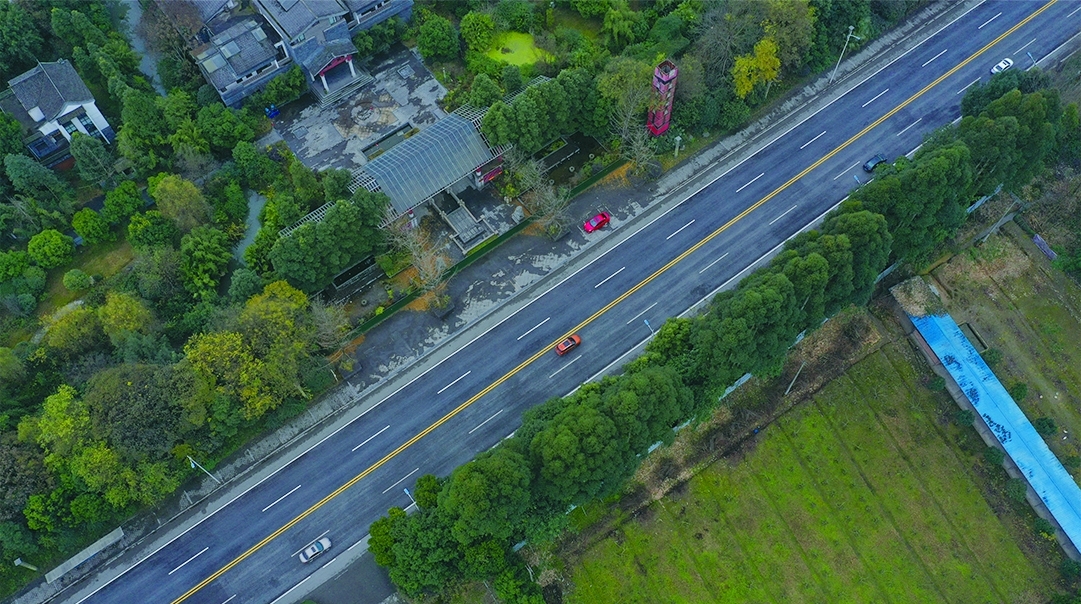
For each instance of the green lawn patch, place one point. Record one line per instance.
(516, 48)
(101, 260)
(858, 496)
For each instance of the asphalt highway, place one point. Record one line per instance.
(247, 551)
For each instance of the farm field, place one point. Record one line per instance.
(859, 495)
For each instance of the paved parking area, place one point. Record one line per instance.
(404, 93)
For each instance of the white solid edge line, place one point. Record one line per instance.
(524, 306)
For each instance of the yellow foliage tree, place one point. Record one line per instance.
(760, 67)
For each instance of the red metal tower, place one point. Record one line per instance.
(664, 92)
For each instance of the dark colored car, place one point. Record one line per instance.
(568, 345)
(597, 222)
(873, 163)
(314, 550)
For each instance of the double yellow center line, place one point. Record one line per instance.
(412, 441)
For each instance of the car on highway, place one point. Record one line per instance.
(1003, 65)
(313, 550)
(873, 162)
(568, 345)
(597, 222)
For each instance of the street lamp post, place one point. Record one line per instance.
(195, 464)
(410, 496)
(19, 562)
(843, 49)
(651, 332)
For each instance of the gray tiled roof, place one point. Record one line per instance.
(421, 166)
(208, 9)
(314, 56)
(296, 16)
(50, 86)
(235, 52)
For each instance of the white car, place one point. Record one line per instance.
(314, 550)
(1002, 66)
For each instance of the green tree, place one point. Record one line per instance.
(257, 168)
(121, 203)
(427, 490)
(180, 200)
(224, 128)
(619, 25)
(64, 425)
(484, 91)
(530, 119)
(12, 264)
(870, 238)
(335, 184)
(76, 280)
(50, 248)
(477, 31)
(313, 253)
(151, 229)
(134, 409)
(498, 124)
(761, 67)
(33, 179)
(91, 227)
(73, 332)
(123, 315)
(437, 39)
(243, 284)
(204, 256)
(488, 496)
(590, 8)
(790, 23)
(575, 455)
(92, 158)
(512, 78)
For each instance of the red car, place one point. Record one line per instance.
(568, 345)
(597, 222)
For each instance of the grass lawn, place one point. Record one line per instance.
(1018, 304)
(103, 259)
(516, 48)
(860, 495)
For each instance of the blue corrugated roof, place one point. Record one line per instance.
(1022, 443)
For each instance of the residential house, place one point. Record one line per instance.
(51, 102)
(242, 46)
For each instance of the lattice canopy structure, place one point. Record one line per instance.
(417, 168)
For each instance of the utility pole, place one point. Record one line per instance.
(843, 49)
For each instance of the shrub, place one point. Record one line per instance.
(937, 384)
(1045, 426)
(994, 456)
(1016, 490)
(1019, 391)
(76, 280)
(1044, 527)
(992, 356)
(1072, 463)
(964, 417)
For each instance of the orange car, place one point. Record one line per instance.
(568, 345)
